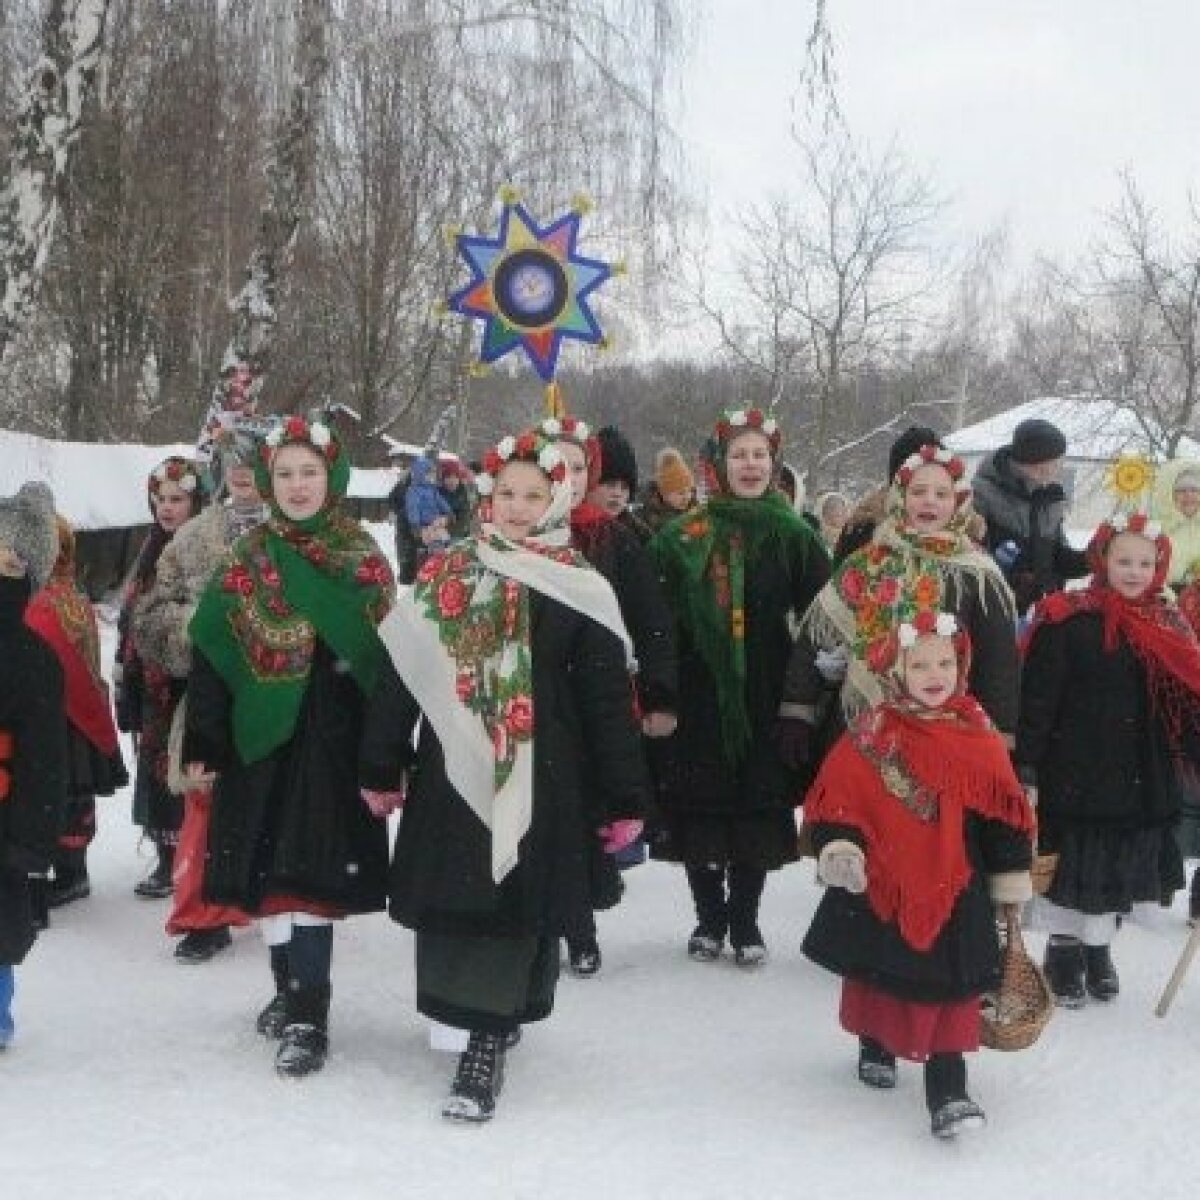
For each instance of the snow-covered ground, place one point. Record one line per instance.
(137, 1078)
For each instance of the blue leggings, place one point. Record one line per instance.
(8, 984)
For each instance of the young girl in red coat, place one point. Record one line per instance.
(921, 826)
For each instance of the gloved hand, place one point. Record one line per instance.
(793, 742)
(1006, 555)
(382, 804)
(843, 865)
(619, 834)
(833, 663)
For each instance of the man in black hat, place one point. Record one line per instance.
(1018, 492)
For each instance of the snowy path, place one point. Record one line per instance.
(138, 1078)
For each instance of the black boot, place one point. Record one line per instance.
(478, 1081)
(1064, 971)
(304, 1044)
(70, 883)
(745, 894)
(1194, 898)
(39, 901)
(157, 885)
(583, 956)
(1102, 981)
(876, 1066)
(199, 945)
(708, 895)
(951, 1110)
(273, 1018)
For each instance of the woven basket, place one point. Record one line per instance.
(1013, 1016)
(1044, 866)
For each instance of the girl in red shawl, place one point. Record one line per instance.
(1110, 707)
(920, 826)
(63, 616)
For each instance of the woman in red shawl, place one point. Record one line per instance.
(920, 826)
(1110, 709)
(63, 616)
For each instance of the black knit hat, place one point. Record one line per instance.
(617, 460)
(909, 442)
(1037, 441)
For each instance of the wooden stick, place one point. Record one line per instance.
(1181, 967)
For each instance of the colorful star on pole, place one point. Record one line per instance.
(530, 287)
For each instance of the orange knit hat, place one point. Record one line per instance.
(671, 473)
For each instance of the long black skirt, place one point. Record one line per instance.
(1105, 870)
(486, 984)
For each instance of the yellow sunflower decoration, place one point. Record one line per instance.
(1130, 477)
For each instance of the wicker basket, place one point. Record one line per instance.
(1044, 866)
(1013, 1017)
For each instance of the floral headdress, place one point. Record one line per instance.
(572, 429)
(313, 432)
(736, 421)
(941, 457)
(733, 423)
(179, 471)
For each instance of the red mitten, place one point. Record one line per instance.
(382, 804)
(619, 834)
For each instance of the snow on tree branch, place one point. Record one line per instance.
(47, 128)
(289, 169)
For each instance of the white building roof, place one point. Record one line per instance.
(102, 486)
(1096, 430)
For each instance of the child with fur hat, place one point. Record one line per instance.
(736, 572)
(1110, 698)
(671, 492)
(33, 731)
(921, 827)
(62, 615)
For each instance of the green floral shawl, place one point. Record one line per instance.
(285, 584)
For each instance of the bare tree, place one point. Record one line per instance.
(1150, 284)
(832, 276)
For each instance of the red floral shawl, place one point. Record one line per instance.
(905, 777)
(61, 615)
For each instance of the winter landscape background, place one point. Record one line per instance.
(136, 1078)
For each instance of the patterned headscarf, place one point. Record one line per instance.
(900, 574)
(461, 643)
(285, 584)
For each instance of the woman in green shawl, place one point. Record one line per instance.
(735, 571)
(285, 649)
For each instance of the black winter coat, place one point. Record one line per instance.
(1031, 518)
(1088, 737)
(691, 771)
(34, 771)
(847, 938)
(630, 569)
(293, 823)
(587, 753)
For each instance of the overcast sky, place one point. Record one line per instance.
(1022, 110)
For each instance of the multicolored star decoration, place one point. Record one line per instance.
(530, 287)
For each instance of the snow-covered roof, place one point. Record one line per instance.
(1096, 430)
(102, 486)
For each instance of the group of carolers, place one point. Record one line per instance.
(286, 700)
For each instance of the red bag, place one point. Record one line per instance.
(189, 910)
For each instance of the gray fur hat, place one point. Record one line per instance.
(27, 527)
